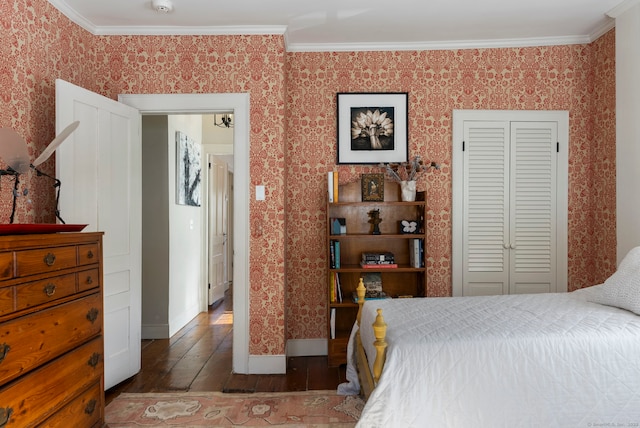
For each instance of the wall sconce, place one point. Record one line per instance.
(226, 120)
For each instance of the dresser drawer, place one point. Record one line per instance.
(7, 299)
(44, 260)
(88, 254)
(84, 411)
(32, 340)
(6, 265)
(33, 398)
(88, 279)
(39, 292)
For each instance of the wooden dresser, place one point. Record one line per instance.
(51, 344)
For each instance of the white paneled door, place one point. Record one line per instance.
(509, 210)
(217, 218)
(99, 167)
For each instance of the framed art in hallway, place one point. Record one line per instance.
(372, 127)
(188, 170)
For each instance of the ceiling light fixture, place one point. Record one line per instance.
(226, 121)
(162, 6)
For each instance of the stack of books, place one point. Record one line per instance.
(378, 260)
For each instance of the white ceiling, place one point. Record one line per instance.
(338, 25)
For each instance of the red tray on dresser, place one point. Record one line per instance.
(35, 228)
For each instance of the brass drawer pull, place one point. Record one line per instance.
(49, 289)
(5, 415)
(90, 407)
(92, 315)
(50, 259)
(4, 350)
(94, 360)
(90, 254)
(89, 280)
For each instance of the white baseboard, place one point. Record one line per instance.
(306, 347)
(267, 364)
(155, 331)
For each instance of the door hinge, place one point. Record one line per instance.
(209, 165)
(463, 145)
(558, 147)
(209, 285)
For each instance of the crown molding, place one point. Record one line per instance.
(190, 31)
(70, 13)
(443, 45)
(603, 29)
(622, 8)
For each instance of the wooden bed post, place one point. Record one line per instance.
(361, 291)
(380, 332)
(369, 378)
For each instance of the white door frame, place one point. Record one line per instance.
(203, 104)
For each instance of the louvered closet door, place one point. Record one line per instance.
(532, 244)
(509, 208)
(485, 259)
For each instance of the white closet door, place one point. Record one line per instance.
(509, 202)
(532, 244)
(485, 208)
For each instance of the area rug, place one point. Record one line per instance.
(217, 409)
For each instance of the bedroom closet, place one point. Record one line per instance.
(509, 202)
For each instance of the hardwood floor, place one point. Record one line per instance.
(198, 358)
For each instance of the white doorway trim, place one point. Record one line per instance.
(203, 104)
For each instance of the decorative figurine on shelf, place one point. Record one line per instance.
(374, 219)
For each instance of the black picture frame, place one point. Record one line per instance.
(372, 187)
(389, 142)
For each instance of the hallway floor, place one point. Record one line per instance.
(198, 358)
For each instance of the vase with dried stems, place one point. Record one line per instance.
(406, 174)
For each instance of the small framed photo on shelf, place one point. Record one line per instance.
(372, 127)
(372, 187)
(408, 226)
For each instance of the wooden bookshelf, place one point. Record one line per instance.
(405, 280)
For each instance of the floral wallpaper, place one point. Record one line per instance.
(577, 78)
(293, 135)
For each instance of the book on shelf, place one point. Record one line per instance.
(416, 253)
(335, 187)
(334, 254)
(338, 226)
(332, 289)
(330, 186)
(378, 258)
(332, 323)
(336, 288)
(380, 297)
(373, 283)
(379, 266)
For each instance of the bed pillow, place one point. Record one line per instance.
(622, 289)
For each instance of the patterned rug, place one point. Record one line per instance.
(216, 409)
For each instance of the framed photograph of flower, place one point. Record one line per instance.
(372, 127)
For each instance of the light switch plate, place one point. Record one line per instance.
(260, 196)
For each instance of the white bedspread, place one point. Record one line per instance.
(543, 360)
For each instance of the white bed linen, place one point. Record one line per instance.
(543, 360)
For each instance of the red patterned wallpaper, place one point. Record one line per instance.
(295, 92)
(204, 64)
(577, 78)
(38, 46)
